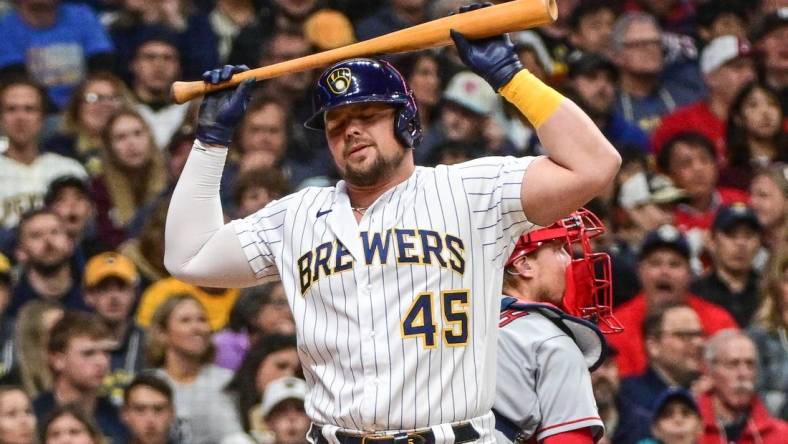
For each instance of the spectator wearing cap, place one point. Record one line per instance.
(731, 410)
(676, 418)
(769, 37)
(328, 29)
(46, 255)
(674, 346)
(726, 66)
(283, 410)
(110, 282)
(664, 270)
(149, 411)
(690, 160)
(69, 198)
(155, 64)
(721, 17)
(590, 25)
(733, 283)
(398, 15)
(25, 171)
(644, 95)
(593, 79)
(56, 44)
(78, 351)
(7, 352)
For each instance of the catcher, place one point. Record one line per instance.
(543, 393)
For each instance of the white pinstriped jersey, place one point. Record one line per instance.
(396, 315)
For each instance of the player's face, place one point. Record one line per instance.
(677, 423)
(17, 421)
(664, 275)
(148, 415)
(363, 145)
(551, 260)
(768, 201)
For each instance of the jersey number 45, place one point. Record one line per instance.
(420, 322)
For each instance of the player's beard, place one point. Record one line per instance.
(381, 168)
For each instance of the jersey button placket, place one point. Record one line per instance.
(366, 325)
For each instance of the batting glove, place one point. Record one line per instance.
(493, 58)
(221, 111)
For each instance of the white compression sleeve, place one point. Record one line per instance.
(199, 247)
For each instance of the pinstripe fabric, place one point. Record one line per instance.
(445, 228)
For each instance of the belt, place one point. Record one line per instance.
(508, 428)
(463, 432)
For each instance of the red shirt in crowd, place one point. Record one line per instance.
(630, 344)
(686, 217)
(696, 117)
(761, 428)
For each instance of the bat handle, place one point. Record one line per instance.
(182, 92)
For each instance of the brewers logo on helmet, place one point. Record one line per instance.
(339, 80)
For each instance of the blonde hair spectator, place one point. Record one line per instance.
(33, 325)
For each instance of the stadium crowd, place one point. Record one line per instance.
(99, 345)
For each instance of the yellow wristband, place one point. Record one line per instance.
(532, 97)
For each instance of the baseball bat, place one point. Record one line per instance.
(506, 17)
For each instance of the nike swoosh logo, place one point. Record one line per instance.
(322, 213)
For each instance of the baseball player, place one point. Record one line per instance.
(543, 391)
(394, 274)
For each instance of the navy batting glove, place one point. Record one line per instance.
(221, 111)
(493, 58)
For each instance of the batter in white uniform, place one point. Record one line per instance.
(394, 275)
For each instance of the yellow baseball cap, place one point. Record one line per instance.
(329, 29)
(109, 264)
(5, 268)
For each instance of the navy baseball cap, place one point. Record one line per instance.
(585, 63)
(673, 394)
(730, 217)
(666, 236)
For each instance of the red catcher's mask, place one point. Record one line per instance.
(589, 289)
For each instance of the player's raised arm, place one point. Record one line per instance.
(580, 163)
(198, 247)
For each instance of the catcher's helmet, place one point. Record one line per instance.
(589, 291)
(366, 81)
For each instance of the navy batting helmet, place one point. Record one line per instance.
(366, 81)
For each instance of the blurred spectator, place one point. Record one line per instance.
(769, 200)
(133, 174)
(35, 321)
(283, 410)
(259, 311)
(146, 250)
(255, 188)
(291, 91)
(55, 43)
(674, 347)
(17, 421)
(422, 72)
(674, 15)
(624, 421)
(399, 14)
(148, 411)
(328, 29)
(69, 198)
(78, 356)
(769, 37)
(676, 418)
(217, 301)
(188, 28)
(155, 65)
(755, 136)
(452, 152)
(733, 283)
(722, 17)
(591, 24)
(769, 334)
(110, 290)
(227, 19)
(732, 411)
(691, 162)
(593, 79)
(726, 66)
(180, 349)
(24, 171)
(46, 253)
(94, 101)
(273, 357)
(69, 424)
(663, 266)
(7, 352)
(643, 96)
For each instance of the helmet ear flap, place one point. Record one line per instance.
(407, 126)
